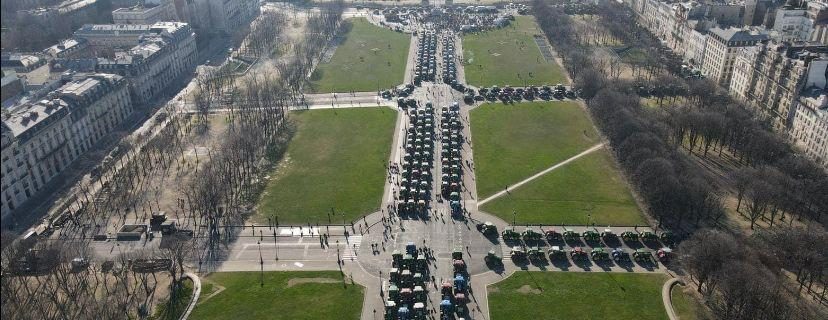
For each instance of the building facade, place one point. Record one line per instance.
(39, 140)
(720, 51)
(155, 55)
(145, 14)
(770, 77)
(809, 130)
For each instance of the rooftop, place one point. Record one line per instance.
(738, 34)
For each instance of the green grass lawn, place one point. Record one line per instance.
(337, 160)
(497, 57)
(513, 142)
(285, 295)
(687, 307)
(369, 56)
(587, 190)
(574, 295)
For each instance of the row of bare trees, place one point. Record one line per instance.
(46, 281)
(774, 182)
(265, 35)
(743, 279)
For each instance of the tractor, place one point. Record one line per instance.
(457, 254)
(518, 253)
(552, 235)
(664, 254)
(578, 253)
(648, 236)
(618, 255)
(493, 259)
(629, 236)
(397, 258)
(591, 235)
(668, 238)
(642, 255)
(556, 253)
(459, 266)
(535, 254)
(487, 228)
(569, 234)
(608, 235)
(598, 254)
(531, 235)
(510, 234)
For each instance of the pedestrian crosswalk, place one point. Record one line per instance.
(350, 253)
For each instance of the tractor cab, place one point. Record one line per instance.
(493, 258)
(556, 253)
(608, 234)
(598, 254)
(642, 255)
(552, 235)
(618, 254)
(591, 235)
(570, 234)
(578, 253)
(518, 253)
(664, 254)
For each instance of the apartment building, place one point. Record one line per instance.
(809, 130)
(40, 139)
(721, 48)
(770, 77)
(155, 55)
(222, 16)
(147, 13)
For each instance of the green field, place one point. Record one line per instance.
(511, 143)
(336, 160)
(585, 191)
(284, 295)
(573, 295)
(369, 58)
(507, 56)
(687, 307)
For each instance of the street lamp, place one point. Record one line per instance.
(275, 244)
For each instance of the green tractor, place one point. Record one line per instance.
(629, 236)
(487, 228)
(535, 254)
(397, 258)
(518, 253)
(531, 235)
(608, 235)
(510, 234)
(648, 236)
(570, 234)
(556, 253)
(642, 255)
(668, 238)
(591, 235)
(457, 254)
(599, 254)
(493, 259)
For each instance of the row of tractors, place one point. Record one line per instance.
(568, 234)
(597, 254)
(453, 304)
(407, 294)
(451, 155)
(415, 184)
(449, 60)
(426, 67)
